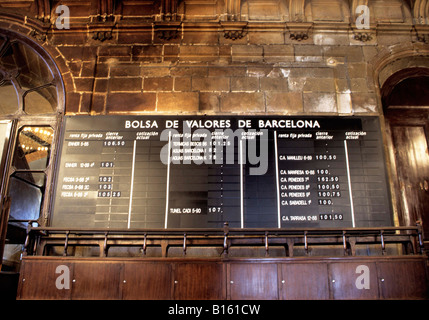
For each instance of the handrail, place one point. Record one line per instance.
(227, 237)
(253, 231)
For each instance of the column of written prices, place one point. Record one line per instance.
(312, 179)
(148, 203)
(94, 164)
(333, 176)
(188, 184)
(367, 175)
(334, 197)
(77, 181)
(224, 203)
(204, 190)
(114, 174)
(260, 192)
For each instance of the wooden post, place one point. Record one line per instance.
(4, 218)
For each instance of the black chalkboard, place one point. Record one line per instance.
(199, 172)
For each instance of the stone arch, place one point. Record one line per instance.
(34, 39)
(392, 91)
(398, 58)
(33, 101)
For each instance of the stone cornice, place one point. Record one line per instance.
(106, 29)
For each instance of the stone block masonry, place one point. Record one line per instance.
(220, 77)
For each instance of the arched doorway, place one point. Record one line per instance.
(405, 98)
(31, 108)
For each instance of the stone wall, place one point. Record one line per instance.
(215, 57)
(223, 77)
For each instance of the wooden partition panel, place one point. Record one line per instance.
(38, 279)
(96, 280)
(232, 279)
(353, 280)
(199, 281)
(146, 280)
(402, 280)
(250, 281)
(304, 281)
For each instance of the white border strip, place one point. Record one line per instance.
(167, 191)
(132, 184)
(279, 224)
(352, 210)
(241, 185)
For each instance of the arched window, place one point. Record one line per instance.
(31, 104)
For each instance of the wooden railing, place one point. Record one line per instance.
(408, 240)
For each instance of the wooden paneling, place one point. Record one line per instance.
(146, 281)
(38, 279)
(253, 281)
(199, 281)
(402, 280)
(343, 278)
(412, 161)
(408, 130)
(96, 280)
(235, 279)
(304, 281)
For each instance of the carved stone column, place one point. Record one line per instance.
(233, 10)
